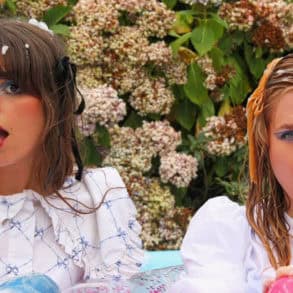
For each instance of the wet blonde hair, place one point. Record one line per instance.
(266, 204)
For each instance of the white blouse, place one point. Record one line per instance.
(221, 253)
(43, 235)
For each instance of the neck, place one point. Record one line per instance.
(15, 178)
(290, 204)
(290, 212)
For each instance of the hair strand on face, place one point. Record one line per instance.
(267, 204)
(36, 61)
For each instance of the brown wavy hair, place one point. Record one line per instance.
(266, 203)
(36, 61)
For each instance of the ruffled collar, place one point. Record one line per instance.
(10, 205)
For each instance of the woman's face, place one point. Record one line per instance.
(281, 142)
(21, 125)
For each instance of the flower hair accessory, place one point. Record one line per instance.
(254, 108)
(40, 24)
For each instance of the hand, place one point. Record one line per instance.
(281, 272)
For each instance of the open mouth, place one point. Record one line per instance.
(3, 133)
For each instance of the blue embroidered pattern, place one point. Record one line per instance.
(65, 246)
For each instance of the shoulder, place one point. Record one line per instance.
(96, 186)
(219, 225)
(104, 237)
(220, 209)
(106, 185)
(107, 176)
(214, 249)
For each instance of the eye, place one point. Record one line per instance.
(286, 135)
(10, 87)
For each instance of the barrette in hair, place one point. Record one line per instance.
(66, 72)
(254, 108)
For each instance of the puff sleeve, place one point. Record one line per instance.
(119, 253)
(104, 243)
(214, 249)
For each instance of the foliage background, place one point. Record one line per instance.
(166, 83)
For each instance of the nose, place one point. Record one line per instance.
(2, 99)
(1, 88)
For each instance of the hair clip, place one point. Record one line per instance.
(280, 71)
(4, 50)
(254, 108)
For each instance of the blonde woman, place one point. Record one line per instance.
(230, 248)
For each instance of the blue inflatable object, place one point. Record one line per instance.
(168, 260)
(161, 259)
(30, 284)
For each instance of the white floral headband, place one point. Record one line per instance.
(40, 24)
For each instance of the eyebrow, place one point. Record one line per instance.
(285, 126)
(4, 74)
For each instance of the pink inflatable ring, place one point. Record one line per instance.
(282, 285)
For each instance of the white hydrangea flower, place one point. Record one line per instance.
(204, 2)
(178, 169)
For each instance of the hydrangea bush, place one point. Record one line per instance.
(165, 84)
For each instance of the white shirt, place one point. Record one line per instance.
(36, 237)
(221, 253)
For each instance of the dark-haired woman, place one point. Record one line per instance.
(72, 224)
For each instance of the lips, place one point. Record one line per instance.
(3, 133)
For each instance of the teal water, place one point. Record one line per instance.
(161, 259)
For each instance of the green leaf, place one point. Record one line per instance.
(230, 41)
(61, 29)
(194, 88)
(236, 90)
(183, 23)
(179, 194)
(175, 45)
(11, 6)
(226, 44)
(221, 166)
(178, 91)
(256, 64)
(219, 20)
(258, 52)
(103, 136)
(172, 33)
(205, 35)
(185, 113)
(55, 14)
(207, 110)
(238, 85)
(133, 120)
(72, 2)
(170, 3)
(91, 155)
(217, 55)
